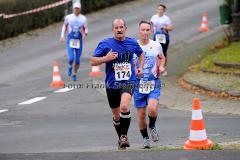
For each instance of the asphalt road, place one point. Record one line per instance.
(135, 155)
(80, 120)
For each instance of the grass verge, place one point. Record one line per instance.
(230, 54)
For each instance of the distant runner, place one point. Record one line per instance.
(76, 26)
(162, 25)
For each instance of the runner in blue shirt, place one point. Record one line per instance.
(76, 26)
(117, 53)
(147, 90)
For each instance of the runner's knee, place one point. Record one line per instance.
(152, 109)
(78, 55)
(116, 117)
(77, 62)
(70, 58)
(70, 61)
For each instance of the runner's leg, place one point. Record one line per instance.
(70, 58)
(78, 56)
(152, 115)
(125, 117)
(113, 96)
(78, 53)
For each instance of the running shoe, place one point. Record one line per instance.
(146, 143)
(154, 134)
(123, 142)
(74, 77)
(69, 71)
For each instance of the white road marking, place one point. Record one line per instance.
(62, 90)
(4, 110)
(31, 101)
(230, 143)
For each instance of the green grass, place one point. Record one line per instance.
(163, 148)
(230, 54)
(168, 148)
(208, 65)
(216, 147)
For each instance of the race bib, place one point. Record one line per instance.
(122, 71)
(161, 38)
(145, 87)
(75, 43)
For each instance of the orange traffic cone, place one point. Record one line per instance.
(204, 23)
(56, 81)
(198, 137)
(95, 71)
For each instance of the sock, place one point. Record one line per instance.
(69, 66)
(152, 121)
(144, 133)
(75, 73)
(125, 119)
(117, 126)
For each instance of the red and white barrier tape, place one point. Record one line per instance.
(61, 2)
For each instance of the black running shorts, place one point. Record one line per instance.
(114, 95)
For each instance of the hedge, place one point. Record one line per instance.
(16, 25)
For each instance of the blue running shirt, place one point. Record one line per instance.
(121, 70)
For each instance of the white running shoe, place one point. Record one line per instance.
(146, 143)
(154, 134)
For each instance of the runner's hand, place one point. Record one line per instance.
(111, 56)
(161, 69)
(62, 39)
(164, 29)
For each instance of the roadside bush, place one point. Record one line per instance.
(16, 25)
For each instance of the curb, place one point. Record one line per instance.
(218, 72)
(223, 64)
(210, 87)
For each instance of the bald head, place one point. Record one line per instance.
(119, 20)
(119, 29)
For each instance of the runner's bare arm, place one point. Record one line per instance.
(84, 33)
(162, 60)
(85, 28)
(141, 63)
(64, 28)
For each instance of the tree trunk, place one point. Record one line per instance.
(235, 6)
